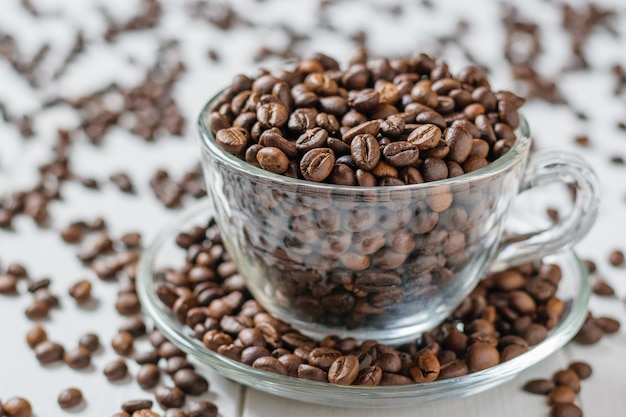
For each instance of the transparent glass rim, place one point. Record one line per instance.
(514, 155)
(350, 396)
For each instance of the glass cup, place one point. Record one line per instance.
(384, 263)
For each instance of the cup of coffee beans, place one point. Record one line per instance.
(366, 201)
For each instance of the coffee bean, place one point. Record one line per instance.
(35, 336)
(37, 310)
(232, 140)
(134, 325)
(482, 356)
(589, 334)
(582, 369)
(123, 182)
(565, 410)
(8, 284)
(365, 151)
(401, 154)
(73, 233)
(90, 341)
(81, 291)
(426, 369)
(616, 258)
(317, 164)
(148, 376)
(344, 370)
(48, 352)
(116, 370)
(270, 364)
(127, 304)
(603, 289)
(460, 142)
(568, 378)
(135, 405)
(190, 382)
(77, 358)
(122, 343)
(607, 324)
(17, 407)
(202, 409)
(169, 397)
(561, 394)
(69, 398)
(539, 386)
(312, 373)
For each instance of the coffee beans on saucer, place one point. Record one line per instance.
(505, 315)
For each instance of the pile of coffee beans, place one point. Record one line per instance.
(562, 389)
(378, 122)
(504, 316)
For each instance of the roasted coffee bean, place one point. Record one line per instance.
(323, 357)
(482, 356)
(37, 310)
(148, 376)
(89, 341)
(8, 284)
(607, 324)
(589, 334)
(616, 258)
(568, 378)
(169, 397)
(602, 288)
(136, 405)
(122, 343)
(190, 382)
(17, 407)
(77, 358)
(35, 336)
(123, 182)
(272, 159)
(401, 154)
(127, 304)
(582, 369)
(116, 370)
(168, 350)
(81, 291)
(317, 164)
(202, 408)
(561, 394)
(539, 386)
(365, 151)
(69, 398)
(145, 413)
(453, 369)
(426, 369)
(48, 352)
(233, 139)
(344, 370)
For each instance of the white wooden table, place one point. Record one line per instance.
(46, 255)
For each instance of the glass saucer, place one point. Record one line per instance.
(573, 290)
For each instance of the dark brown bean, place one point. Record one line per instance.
(81, 291)
(317, 164)
(116, 370)
(344, 370)
(135, 405)
(539, 386)
(190, 382)
(148, 376)
(582, 369)
(202, 408)
(77, 358)
(122, 343)
(48, 352)
(169, 397)
(35, 336)
(70, 398)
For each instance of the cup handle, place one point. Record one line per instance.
(547, 168)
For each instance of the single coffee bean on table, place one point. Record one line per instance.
(70, 397)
